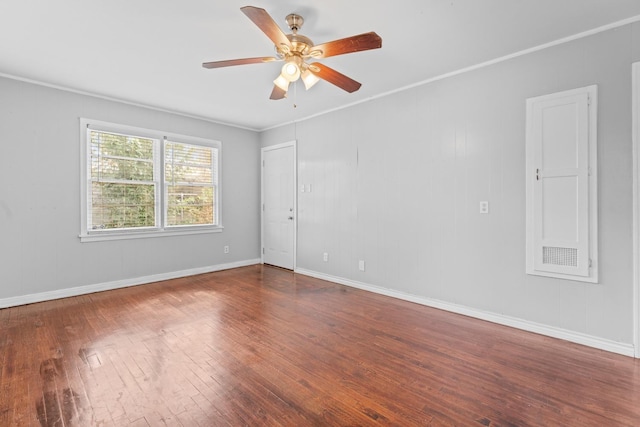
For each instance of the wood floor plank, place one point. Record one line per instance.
(263, 346)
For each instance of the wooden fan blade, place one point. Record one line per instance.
(244, 61)
(278, 93)
(265, 22)
(352, 44)
(334, 77)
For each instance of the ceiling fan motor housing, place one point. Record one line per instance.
(299, 44)
(294, 21)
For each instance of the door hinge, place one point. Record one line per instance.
(262, 251)
(263, 206)
(590, 263)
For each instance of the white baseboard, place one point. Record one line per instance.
(550, 331)
(88, 289)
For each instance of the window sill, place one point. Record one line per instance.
(120, 235)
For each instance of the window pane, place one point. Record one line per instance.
(122, 169)
(190, 184)
(190, 205)
(188, 174)
(109, 144)
(185, 163)
(122, 205)
(191, 154)
(121, 157)
(116, 204)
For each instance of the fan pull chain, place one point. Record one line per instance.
(295, 94)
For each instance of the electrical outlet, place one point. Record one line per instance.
(484, 207)
(226, 249)
(361, 265)
(325, 257)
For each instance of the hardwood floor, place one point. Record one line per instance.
(262, 346)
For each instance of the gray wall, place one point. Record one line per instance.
(397, 182)
(40, 196)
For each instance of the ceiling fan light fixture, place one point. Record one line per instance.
(290, 71)
(294, 49)
(282, 82)
(309, 79)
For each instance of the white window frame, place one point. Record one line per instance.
(533, 261)
(159, 138)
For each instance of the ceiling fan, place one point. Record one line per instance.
(295, 49)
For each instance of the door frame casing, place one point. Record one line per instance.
(293, 144)
(635, 125)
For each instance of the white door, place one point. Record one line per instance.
(561, 185)
(278, 205)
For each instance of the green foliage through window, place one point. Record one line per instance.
(122, 181)
(189, 175)
(125, 178)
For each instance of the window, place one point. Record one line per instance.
(122, 189)
(144, 183)
(562, 224)
(190, 184)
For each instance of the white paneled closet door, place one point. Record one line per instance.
(561, 196)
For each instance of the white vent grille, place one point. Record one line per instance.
(560, 256)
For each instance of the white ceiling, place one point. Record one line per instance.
(150, 52)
